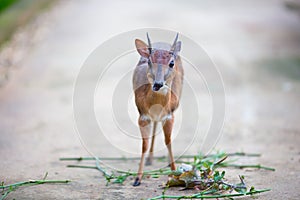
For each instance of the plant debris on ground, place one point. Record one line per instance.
(6, 189)
(197, 172)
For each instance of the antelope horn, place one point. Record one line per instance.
(149, 43)
(174, 44)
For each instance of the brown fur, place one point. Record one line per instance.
(146, 98)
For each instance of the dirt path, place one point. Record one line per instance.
(255, 44)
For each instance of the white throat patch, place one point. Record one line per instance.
(163, 90)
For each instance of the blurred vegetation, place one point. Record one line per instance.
(16, 13)
(5, 4)
(288, 67)
(293, 5)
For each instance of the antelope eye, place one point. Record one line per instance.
(171, 64)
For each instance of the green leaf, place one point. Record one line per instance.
(206, 165)
(223, 174)
(155, 176)
(217, 176)
(121, 178)
(241, 190)
(252, 189)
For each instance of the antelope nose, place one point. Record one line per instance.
(157, 86)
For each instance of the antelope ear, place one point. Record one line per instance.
(177, 47)
(142, 48)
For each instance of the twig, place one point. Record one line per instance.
(205, 196)
(45, 176)
(184, 197)
(101, 169)
(218, 162)
(234, 186)
(150, 172)
(14, 186)
(5, 194)
(82, 166)
(258, 166)
(156, 157)
(33, 182)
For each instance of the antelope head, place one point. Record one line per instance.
(161, 62)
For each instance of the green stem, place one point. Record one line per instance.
(258, 166)
(33, 182)
(182, 196)
(205, 196)
(5, 194)
(156, 157)
(147, 172)
(150, 172)
(101, 169)
(98, 167)
(244, 154)
(82, 166)
(12, 187)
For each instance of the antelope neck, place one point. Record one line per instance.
(158, 97)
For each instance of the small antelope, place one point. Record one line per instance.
(157, 84)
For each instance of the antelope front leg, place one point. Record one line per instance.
(167, 127)
(145, 132)
(150, 158)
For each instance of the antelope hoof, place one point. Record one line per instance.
(148, 161)
(137, 182)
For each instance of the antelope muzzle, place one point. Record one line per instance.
(157, 86)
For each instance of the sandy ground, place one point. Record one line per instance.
(255, 44)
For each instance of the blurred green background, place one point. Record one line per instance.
(15, 13)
